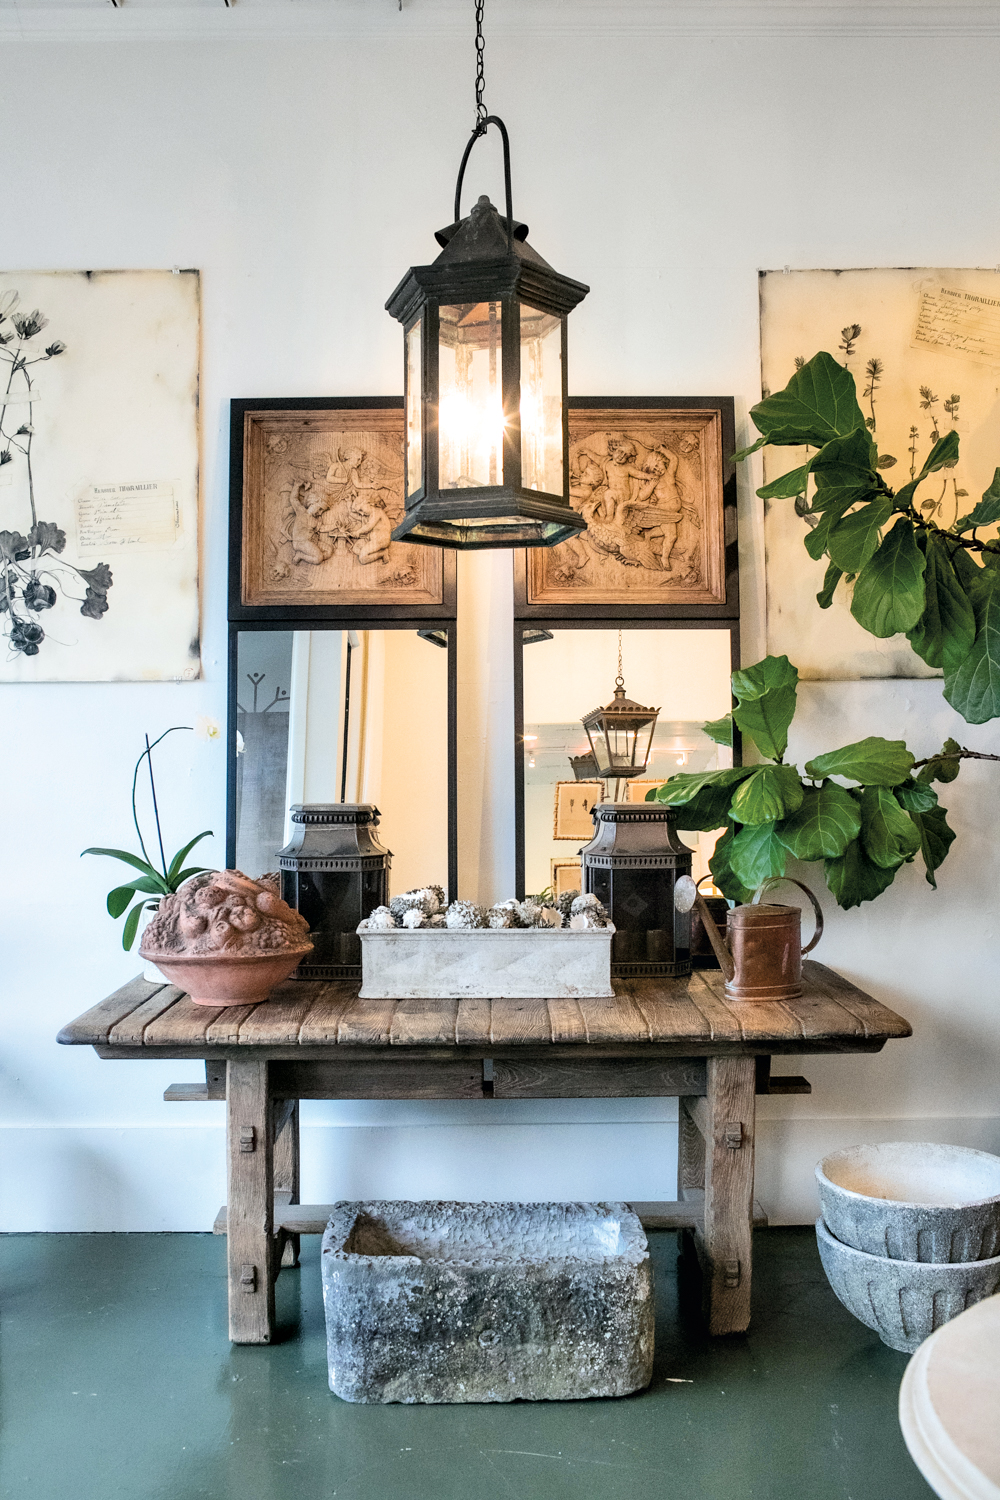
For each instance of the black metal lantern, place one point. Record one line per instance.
(487, 441)
(632, 865)
(334, 872)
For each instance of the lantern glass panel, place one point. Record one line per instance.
(470, 396)
(414, 409)
(541, 401)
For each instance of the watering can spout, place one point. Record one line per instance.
(686, 896)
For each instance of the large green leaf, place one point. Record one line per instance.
(710, 809)
(915, 796)
(132, 922)
(888, 833)
(720, 730)
(119, 899)
(722, 871)
(986, 512)
(824, 825)
(757, 853)
(765, 695)
(942, 767)
(944, 455)
(889, 594)
(686, 785)
(936, 838)
(792, 483)
(853, 878)
(873, 761)
(846, 460)
(818, 539)
(128, 859)
(832, 577)
(819, 403)
(772, 792)
(853, 540)
(944, 634)
(974, 689)
(182, 854)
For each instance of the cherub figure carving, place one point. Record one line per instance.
(309, 544)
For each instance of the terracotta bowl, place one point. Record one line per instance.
(227, 978)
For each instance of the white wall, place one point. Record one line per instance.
(301, 158)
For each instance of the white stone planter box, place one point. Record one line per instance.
(520, 964)
(486, 1301)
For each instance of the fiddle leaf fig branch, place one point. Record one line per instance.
(863, 832)
(940, 586)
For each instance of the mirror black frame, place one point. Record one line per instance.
(236, 627)
(522, 626)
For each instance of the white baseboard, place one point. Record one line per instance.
(152, 1178)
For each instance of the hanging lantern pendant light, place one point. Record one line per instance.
(620, 734)
(487, 440)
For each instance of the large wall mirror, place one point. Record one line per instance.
(565, 673)
(352, 715)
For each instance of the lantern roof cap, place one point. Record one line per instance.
(621, 706)
(479, 262)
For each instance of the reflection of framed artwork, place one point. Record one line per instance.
(574, 803)
(637, 789)
(316, 489)
(565, 876)
(653, 479)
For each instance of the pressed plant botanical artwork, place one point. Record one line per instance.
(34, 568)
(922, 349)
(99, 476)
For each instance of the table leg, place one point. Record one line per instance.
(725, 1244)
(250, 1219)
(286, 1175)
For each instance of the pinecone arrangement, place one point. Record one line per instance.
(427, 908)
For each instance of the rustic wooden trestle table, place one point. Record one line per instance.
(655, 1038)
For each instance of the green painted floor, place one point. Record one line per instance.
(117, 1379)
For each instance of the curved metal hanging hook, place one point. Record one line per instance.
(480, 129)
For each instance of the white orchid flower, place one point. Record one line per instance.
(206, 728)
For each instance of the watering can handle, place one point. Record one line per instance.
(777, 880)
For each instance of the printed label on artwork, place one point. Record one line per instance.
(119, 517)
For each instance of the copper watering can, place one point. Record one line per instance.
(762, 959)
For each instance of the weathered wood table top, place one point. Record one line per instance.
(655, 1038)
(646, 1017)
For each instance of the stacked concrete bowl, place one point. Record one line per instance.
(910, 1234)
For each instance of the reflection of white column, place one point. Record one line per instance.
(315, 719)
(485, 726)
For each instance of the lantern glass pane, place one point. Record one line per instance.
(470, 396)
(541, 401)
(414, 409)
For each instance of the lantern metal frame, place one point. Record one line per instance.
(620, 716)
(484, 258)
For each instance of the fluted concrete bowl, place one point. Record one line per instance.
(908, 1201)
(904, 1301)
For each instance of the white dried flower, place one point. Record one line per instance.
(381, 920)
(414, 918)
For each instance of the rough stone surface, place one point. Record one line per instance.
(456, 1302)
(909, 1201)
(904, 1301)
(536, 963)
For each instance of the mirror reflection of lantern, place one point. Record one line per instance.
(620, 734)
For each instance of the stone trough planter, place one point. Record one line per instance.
(912, 1201)
(449, 963)
(455, 1302)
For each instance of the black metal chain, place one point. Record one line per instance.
(481, 110)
